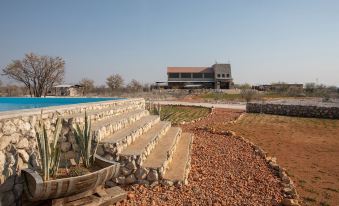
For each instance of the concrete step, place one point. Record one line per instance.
(180, 165)
(119, 140)
(103, 128)
(101, 114)
(138, 151)
(162, 154)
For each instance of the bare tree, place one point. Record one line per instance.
(88, 85)
(115, 81)
(37, 73)
(134, 85)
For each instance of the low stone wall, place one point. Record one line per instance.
(330, 112)
(18, 146)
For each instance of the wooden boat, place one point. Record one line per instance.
(37, 189)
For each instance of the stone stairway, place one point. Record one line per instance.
(149, 150)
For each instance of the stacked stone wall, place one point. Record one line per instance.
(18, 146)
(294, 110)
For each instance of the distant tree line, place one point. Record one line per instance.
(37, 75)
(12, 90)
(114, 86)
(286, 90)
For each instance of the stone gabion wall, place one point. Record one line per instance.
(294, 110)
(18, 146)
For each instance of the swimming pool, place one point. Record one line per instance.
(16, 103)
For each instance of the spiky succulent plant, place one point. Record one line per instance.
(84, 139)
(49, 151)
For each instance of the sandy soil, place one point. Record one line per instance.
(225, 171)
(308, 148)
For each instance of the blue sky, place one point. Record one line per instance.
(266, 41)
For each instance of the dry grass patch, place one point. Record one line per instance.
(179, 114)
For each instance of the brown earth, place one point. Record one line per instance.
(308, 148)
(225, 171)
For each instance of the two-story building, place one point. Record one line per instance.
(218, 76)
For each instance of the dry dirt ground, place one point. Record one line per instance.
(225, 171)
(308, 148)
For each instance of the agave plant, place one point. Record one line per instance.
(84, 139)
(49, 151)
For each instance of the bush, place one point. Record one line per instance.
(295, 92)
(242, 86)
(320, 90)
(248, 94)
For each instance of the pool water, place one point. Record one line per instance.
(15, 103)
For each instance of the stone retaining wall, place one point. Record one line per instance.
(18, 146)
(294, 110)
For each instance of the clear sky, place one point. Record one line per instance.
(265, 40)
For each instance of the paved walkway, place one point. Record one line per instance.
(225, 106)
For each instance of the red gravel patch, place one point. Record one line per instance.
(225, 171)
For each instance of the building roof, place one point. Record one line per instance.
(190, 70)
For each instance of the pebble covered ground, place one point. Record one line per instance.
(225, 171)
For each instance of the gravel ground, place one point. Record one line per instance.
(225, 171)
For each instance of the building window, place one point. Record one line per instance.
(197, 75)
(228, 75)
(208, 75)
(218, 75)
(223, 75)
(173, 75)
(186, 75)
